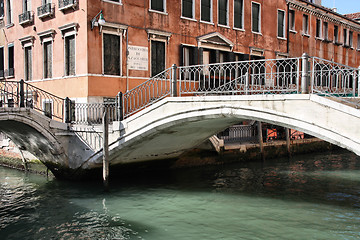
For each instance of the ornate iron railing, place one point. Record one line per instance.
(92, 113)
(25, 17)
(147, 93)
(45, 10)
(64, 4)
(277, 76)
(21, 94)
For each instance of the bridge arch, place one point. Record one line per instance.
(31, 131)
(174, 125)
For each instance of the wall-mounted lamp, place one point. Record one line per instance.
(94, 22)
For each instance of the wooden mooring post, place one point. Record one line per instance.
(106, 150)
(288, 143)
(261, 143)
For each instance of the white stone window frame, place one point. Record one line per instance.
(158, 36)
(113, 29)
(47, 36)
(292, 22)
(118, 2)
(157, 11)
(25, 7)
(193, 11)
(227, 14)
(68, 30)
(26, 42)
(306, 32)
(320, 37)
(211, 14)
(243, 19)
(284, 26)
(252, 22)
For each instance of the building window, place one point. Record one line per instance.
(9, 11)
(325, 31)
(47, 59)
(239, 14)
(223, 12)
(350, 39)
(2, 63)
(358, 42)
(10, 60)
(26, 5)
(318, 28)
(188, 8)
(345, 37)
(256, 17)
(305, 24)
(206, 13)
(157, 57)
(336, 34)
(157, 5)
(281, 24)
(70, 55)
(1, 8)
(48, 108)
(28, 63)
(292, 20)
(111, 54)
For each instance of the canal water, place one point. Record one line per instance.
(307, 197)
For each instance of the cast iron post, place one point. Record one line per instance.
(305, 78)
(173, 87)
(22, 94)
(120, 106)
(67, 110)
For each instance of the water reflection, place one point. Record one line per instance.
(305, 197)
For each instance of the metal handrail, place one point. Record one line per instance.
(147, 93)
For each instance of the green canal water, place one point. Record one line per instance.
(307, 197)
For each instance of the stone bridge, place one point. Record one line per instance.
(153, 123)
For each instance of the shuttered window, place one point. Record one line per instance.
(187, 8)
(238, 14)
(157, 57)
(223, 7)
(11, 60)
(111, 54)
(256, 17)
(281, 24)
(48, 59)
(28, 63)
(318, 28)
(70, 55)
(206, 10)
(157, 5)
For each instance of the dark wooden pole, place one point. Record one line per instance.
(288, 143)
(261, 143)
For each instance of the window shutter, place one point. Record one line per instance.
(223, 12)
(205, 10)
(255, 17)
(187, 8)
(238, 6)
(111, 54)
(181, 55)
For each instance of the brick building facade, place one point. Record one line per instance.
(53, 44)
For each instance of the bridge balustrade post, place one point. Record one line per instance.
(120, 106)
(305, 77)
(22, 94)
(173, 87)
